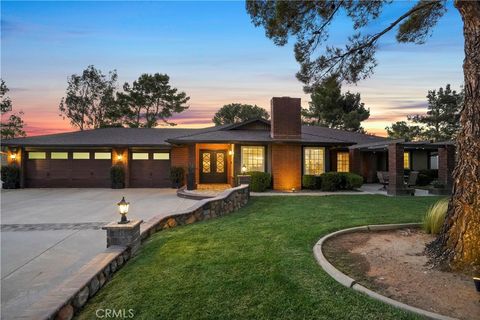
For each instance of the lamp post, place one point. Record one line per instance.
(123, 210)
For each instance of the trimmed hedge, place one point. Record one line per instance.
(334, 181)
(176, 176)
(10, 177)
(311, 182)
(260, 181)
(117, 177)
(425, 177)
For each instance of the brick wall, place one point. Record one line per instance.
(286, 119)
(446, 164)
(287, 166)
(395, 169)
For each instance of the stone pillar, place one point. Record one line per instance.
(446, 164)
(243, 179)
(127, 235)
(396, 185)
(355, 161)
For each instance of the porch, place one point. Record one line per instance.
(396, 159)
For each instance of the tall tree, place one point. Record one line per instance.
(442, 120)
(330, 108)
(151, 99)
(90, 99)
(13, 127)
(308, 21)
(238, 112)
(401, 130)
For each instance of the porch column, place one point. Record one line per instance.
(395, 170)
(192, 163)
(16, 157)
(370, 169)
(446, 164)
(355, 161)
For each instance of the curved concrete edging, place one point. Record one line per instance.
(352, 283)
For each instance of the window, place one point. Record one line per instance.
(103, 156)
(433, 158)
(81, 155)
(343, 162)
(253, 158)
(37, 155)
(314, 160)
(161, 156)
(59, 155)
(406, 160)
(140, 156)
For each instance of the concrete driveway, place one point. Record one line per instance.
(48, 234)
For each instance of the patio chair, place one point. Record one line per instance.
(412, 179)
(383, 179)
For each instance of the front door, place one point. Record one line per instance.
(213, 166)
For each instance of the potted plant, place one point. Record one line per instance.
(191, 178)
(176, 176)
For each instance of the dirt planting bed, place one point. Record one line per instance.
(393, 263)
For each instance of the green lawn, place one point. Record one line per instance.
(254, 264)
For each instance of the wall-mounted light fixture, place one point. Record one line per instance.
(230, 153)
(119, 157)
(244, 169)
(13, 156)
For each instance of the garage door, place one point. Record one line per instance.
(150, 169)
(68, 169)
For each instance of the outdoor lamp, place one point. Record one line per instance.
(119, 157)
(13, 156)
(123, 209)
(244, 168)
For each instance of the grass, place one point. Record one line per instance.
(254, 264)
(435, 216)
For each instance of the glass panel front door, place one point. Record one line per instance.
(213, 166)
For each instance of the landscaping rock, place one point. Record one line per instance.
(66, 313)
(113, 266)
(101, 279)
(94, 286)
(81, 298)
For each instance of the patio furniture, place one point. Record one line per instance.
(383, 179)
(412, 179)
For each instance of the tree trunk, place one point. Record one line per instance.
(458, 245)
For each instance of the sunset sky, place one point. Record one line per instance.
(210, 50)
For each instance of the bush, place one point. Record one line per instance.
(176, 176)
(353, 181)
(309, 181)
(435, 216)
(425, 177)
(260, 181)
(437, 184)
(10, 177)
(117, 177)
(333, 181)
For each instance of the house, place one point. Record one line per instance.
(283, 147)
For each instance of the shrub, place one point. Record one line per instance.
(353, 181)
(425, 177)
(435, 216)
(176, 176)
(10, 177)
(117, 177)
(308, 181)
(437, 184)
(260, 181)
(333, 181)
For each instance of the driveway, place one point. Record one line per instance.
(48, 234)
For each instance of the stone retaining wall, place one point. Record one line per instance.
(69, 298)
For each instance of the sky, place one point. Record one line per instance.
(210, 50)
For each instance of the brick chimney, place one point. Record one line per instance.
(286, 122)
